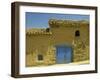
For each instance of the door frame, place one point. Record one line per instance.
(66, 45)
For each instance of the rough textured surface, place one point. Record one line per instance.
(43, 41)
(49, 57)
(81, 50)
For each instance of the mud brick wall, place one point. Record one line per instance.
(49, 57)
(81, 51)
(39, 44)
(43, 41)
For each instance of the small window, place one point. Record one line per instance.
(48, 29)
(40, 57)
(77, 33)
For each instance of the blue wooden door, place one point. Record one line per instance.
(63, 54)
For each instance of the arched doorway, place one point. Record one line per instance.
(77, 33)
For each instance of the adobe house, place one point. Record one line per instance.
(64, 42)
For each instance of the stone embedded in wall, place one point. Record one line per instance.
(50, 56)
(60, 32)
(66, 23)
(81, 51)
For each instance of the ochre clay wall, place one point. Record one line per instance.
(60, 32)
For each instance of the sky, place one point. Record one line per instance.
(40, 20)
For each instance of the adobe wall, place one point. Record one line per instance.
(39, 44)
(64, 33)
(61, 32)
